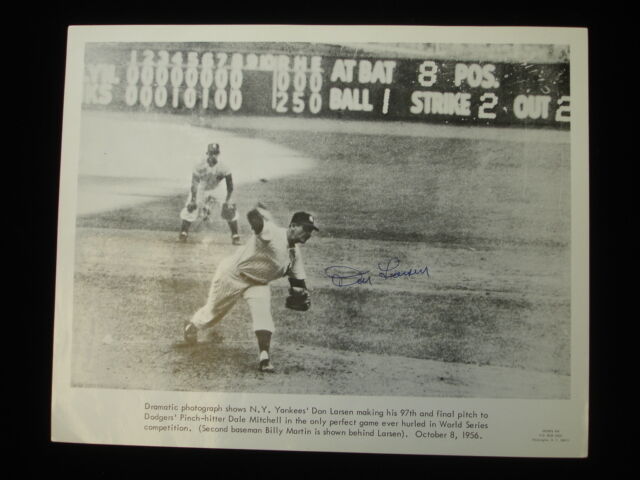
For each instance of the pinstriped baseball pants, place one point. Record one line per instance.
(226, 289)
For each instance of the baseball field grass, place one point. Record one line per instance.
(488, 218)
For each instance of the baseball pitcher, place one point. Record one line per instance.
(207, 175)
(272, 252)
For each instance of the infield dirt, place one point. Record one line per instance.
(489, 216)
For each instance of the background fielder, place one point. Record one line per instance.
(271, 253)
(207, 175)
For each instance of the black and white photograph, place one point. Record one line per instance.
(342, 238)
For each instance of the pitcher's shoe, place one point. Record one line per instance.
(265, 366)
(265, 362)
(190, 333)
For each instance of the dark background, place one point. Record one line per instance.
(31, 334)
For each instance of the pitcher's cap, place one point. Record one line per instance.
(213, 148)
(305, 219)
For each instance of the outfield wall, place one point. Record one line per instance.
(326, 81)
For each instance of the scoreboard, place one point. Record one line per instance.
(211, 81)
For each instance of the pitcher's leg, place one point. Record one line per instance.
(223, 295)
(259, 301)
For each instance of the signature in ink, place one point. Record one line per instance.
(344, 276)
(389, 271)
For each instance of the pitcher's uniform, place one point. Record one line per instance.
(247, 273)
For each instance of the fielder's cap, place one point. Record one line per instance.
(213, 148)
(305, 219)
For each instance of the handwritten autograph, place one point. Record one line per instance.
(344, 276)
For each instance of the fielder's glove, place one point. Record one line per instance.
(228, 211)
(191, 207)
(298, 299)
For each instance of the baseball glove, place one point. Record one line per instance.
(228, 211)
(298, 299)
(192, 206)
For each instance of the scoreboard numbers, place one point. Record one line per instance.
(489, 101)
(183, 80)
(563, 114)
(307, 84)
(428, 73)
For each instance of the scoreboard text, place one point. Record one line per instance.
(426, 90)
